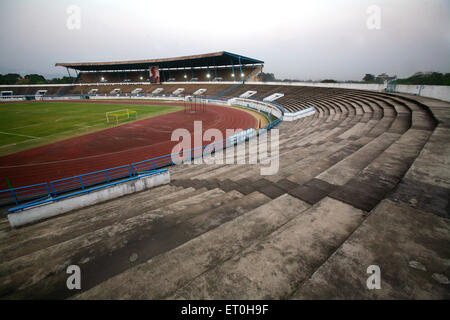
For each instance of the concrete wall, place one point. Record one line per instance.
(436, 92)
(291, 116)
(256, 105)
(357, 86)
(268, 108)
(136, 97)
(51, 209)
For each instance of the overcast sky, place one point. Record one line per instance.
(314, 39)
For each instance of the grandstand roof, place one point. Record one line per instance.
(201, 60)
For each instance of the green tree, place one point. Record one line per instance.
(35, 79)
(61, 80)
(429, 78)
(328, 81)
(10, 78)
(369, 78)
(267, 77)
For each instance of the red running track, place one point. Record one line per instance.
(122, 145)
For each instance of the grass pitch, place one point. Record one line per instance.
(30, 124)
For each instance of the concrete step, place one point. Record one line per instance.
(328, 181)
(316, 133)
(382, 126)
(95, 236)
(311, 167)
(82, 221)
(297, 159)
(291, 160)
(343, 171)
(163, 275)
(426, 185)
(273, 267)
(101, 244)
(374, 182)
(395, 238)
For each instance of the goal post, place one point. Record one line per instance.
(118, 115)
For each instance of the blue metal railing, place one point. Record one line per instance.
(84, 191)
(90, 179)
(83, 182)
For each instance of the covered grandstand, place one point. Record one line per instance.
(217, 66)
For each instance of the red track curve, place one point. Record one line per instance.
(122, 145)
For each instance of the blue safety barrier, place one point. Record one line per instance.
(78, 193)
(55, 188)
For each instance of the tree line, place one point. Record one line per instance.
(15, 78)
(419, 78)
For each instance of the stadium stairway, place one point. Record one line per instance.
(224, 93)
(364, 181)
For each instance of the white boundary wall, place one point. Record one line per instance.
(136, 97)
(291, 116)
(52, 209)
(256, 105)
(358, 86)
(436, 92)
(269, 108)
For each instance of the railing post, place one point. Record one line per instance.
(81, 182)
(53, 189)
(48, 189)
(106, 174)
(154, 167)
(14, 196)
(130, 170)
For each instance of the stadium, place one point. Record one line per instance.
(88, 179)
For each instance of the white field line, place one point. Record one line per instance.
(58, 133)
(19, 135)
(51, 135)
(30, 125)
(10, 145)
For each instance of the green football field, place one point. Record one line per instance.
(31, 124)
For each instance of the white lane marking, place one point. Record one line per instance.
(9, 145)
(30, 125)
(20, 135)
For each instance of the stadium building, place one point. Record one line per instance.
(362, 185)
